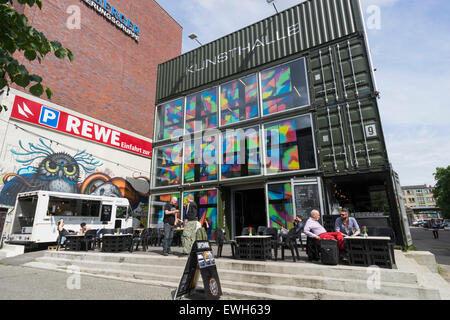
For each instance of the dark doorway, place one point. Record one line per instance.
(249, 209)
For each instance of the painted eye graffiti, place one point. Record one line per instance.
(70, 170)
(51, 166)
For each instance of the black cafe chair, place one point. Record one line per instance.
(245, 232)
(142, 239)
(274, 241)
(261, 230)
(90, 239)
(289, 241)
(221, 240)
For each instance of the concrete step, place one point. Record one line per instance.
(155, 272)
(276, 267)
(231, 289)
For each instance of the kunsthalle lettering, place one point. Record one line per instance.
(104, 8)
(227, 309)
(245, 49)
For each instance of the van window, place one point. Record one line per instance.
(121, 212)
(65, 207)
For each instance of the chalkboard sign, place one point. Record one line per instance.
(201, 260)
(306, 199)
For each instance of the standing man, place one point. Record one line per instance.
(314, 229)
(170, 217)
(435, 226)
(346, 225)
(190, 224)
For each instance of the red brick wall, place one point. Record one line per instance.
(112, 78)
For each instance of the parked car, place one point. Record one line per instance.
(417, 223)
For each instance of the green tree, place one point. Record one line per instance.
(16, 35)
(442, 190)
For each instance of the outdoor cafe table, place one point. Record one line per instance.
(253, 247)
(74, 242)
(116, 242)
(367, 251)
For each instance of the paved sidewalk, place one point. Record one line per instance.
(20, 283)
(423, 241)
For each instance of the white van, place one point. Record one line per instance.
(36, 213)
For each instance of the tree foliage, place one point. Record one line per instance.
(442, 190)
(16, 35)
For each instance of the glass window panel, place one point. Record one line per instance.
(157, 209)
(239, 100)
(200, 160)
(281, 212)
(289, 145)
(207, 208)
(168, 165)
(285, 87)
(241, 153)
(201, 111)
(169, 120)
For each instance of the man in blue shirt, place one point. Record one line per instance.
(346, 225)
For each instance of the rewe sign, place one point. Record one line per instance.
(51, 118)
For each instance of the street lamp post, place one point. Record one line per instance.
(272, 2)
(193, 36)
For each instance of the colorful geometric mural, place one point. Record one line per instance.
(239, 100)
(170, 119)
(202, 109)
(281, 212)
(241, 153)
(43, 168)
(200, 158)
(289, 145)
(284, 87)
(207, 208)
(168, 168)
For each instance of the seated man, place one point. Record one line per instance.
(83, 229)
(313, 229)
(346, 225)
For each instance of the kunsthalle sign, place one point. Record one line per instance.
(117, 18)
(244, 49)
(48, 117)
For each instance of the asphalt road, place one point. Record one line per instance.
(423, 241)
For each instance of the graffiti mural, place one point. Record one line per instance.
(43, 168)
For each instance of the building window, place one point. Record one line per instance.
(207, 208)
(241, 153)
(285, 87)
(200, 160)
(201, 111)
(168, 165)
(419, 190)
(239, 100)
(281, 211)
(408, 192)
(169, 120)
(289, 145)
(157, 208)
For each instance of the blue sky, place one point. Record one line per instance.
(411, 51)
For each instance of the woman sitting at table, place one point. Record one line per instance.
(346, 225)
(62, 232)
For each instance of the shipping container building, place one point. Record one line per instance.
(274, 120)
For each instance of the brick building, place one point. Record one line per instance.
(113, 76)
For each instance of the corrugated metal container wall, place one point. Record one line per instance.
(349, 131)
(307, 25)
